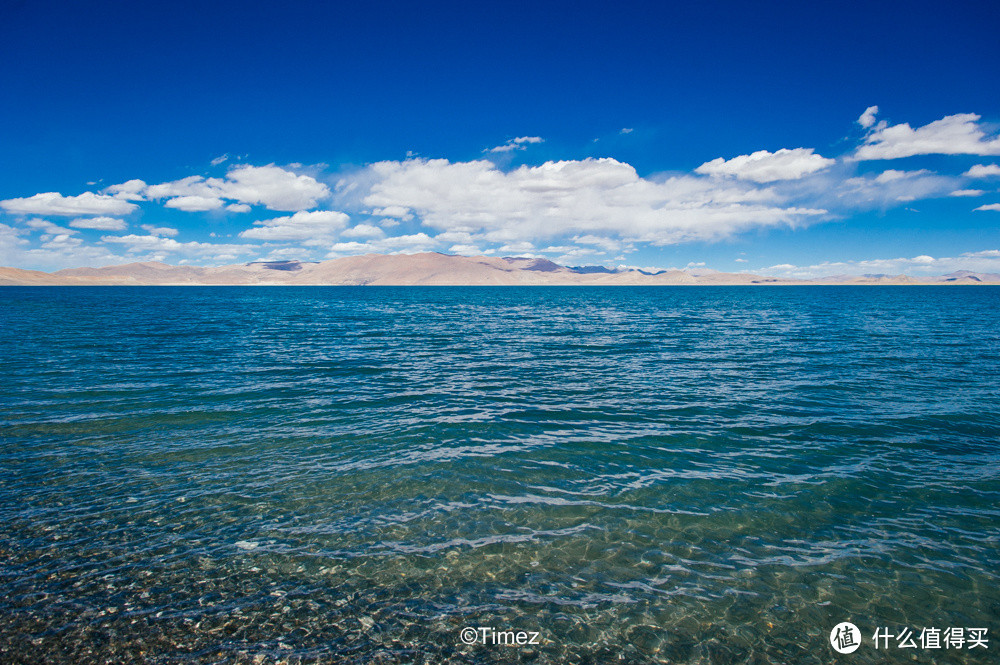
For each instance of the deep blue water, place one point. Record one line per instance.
(691, 475)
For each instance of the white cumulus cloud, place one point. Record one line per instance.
(194, 203)
(130, 190)
(867, 118)
(958, 134)
(894, 175)
(158, 244)
(99, 223)
(763, 166)
(159, 230)
(891, 187)
(54, 203)
(520, 143)
(399, 212)
(989, 206)
(983, 171)
(311, 228)
(274, 188)
(271, 186)
(363, 231)
(45, 226)
(406, 244)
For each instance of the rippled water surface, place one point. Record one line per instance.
(315, 474)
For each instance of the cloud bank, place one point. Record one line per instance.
(602, 196)
(589, 209)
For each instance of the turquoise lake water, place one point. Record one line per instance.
(339, 474)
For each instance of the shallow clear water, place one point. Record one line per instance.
(355, 474)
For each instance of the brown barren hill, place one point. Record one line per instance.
(431, 269)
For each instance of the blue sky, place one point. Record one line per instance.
(724, 135)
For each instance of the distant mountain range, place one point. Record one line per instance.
(429, 269)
